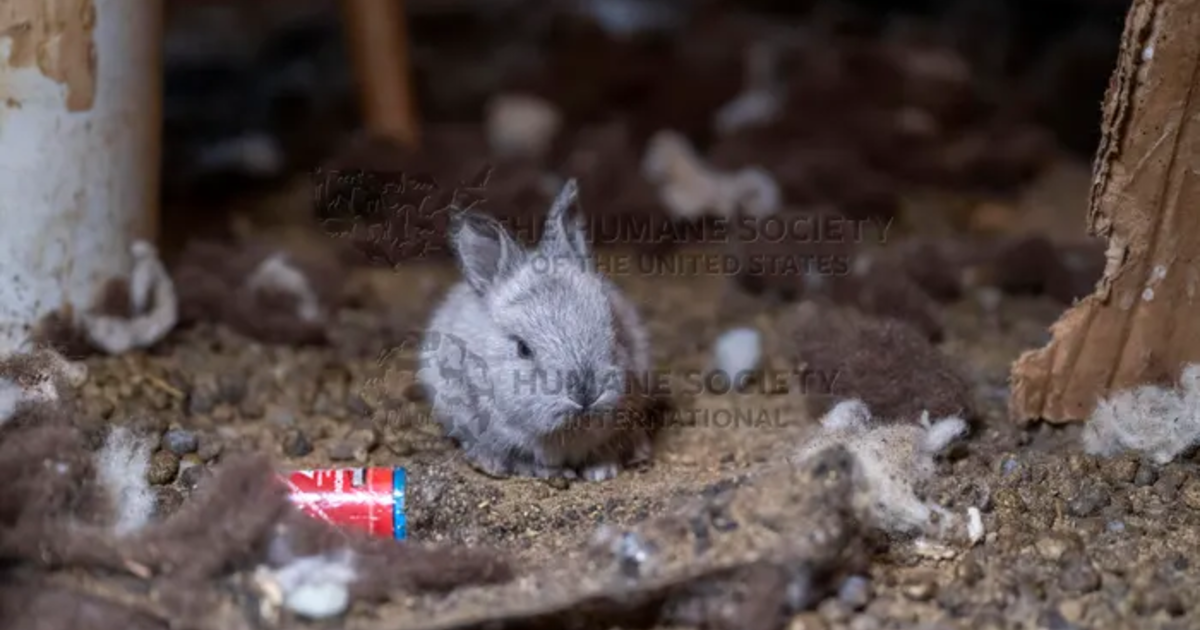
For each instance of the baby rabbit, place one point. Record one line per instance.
(532, 360)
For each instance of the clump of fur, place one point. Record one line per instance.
(258, 291)
(11, 396)
(877, 288)
(37, 377)
(121, 467)
(521, 125)
(315, 587)
(690, 189)
(892, 459)
(886, 363)
(737, 354)
(1154, 421)
(152, 301)
(58, 547)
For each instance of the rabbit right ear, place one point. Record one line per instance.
(485, 250)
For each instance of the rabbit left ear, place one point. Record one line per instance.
(486, 252)
(564, 234)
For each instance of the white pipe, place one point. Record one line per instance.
(80, 124)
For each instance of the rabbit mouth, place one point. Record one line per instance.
(579, 423)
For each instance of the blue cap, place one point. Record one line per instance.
(399, 522)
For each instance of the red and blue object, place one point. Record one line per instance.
(370, 499)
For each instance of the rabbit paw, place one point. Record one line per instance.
(504, 466)
(492, 465)
(543, 471)
(600, 472)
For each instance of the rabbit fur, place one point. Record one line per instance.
(532, 361)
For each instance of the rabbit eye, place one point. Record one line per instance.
(523, 350)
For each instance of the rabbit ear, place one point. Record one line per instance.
(564, 234)
(485, 250)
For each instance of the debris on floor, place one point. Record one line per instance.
(890, 460)
(1133, 420)
(152, 301)
(886, 363)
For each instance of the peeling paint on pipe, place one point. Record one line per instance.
(80, 124)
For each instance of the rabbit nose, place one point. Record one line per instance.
(584, 391)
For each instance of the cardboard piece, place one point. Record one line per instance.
(1140, 324)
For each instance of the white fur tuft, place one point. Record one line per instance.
(890, 461)
(1157, 422)
(941, 433)
(11, 396)
(738, 352)
(121, 466)
(317, 587)
(848, 415)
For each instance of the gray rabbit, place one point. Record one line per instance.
(534, 360)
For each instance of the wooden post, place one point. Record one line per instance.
(1142, 323)
(80, 119)
(377, 35)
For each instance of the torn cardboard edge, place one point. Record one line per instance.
(1133, 329)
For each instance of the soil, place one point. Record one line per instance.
(1071, 542)
(717, 530)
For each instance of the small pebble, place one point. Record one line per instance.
(1008, 500)
(1121, 470)
(865, 622)
(166, 501)
(921, 590)
(1190, 493)
(969, 571)
(180, 442)
(834, 611)
(356, 446)
(807, 621)
(345, 451)
(210, 448)
(357, 406)
(1090, 499)
(1078, 576)
(252, 408)
(192, 476)
(1053, 620)
(855, 592)
(1167, 485)
(399, 445)
(558, 483)
(231, 388)
(1009, 466)
(296, 443)
(203, 396)
(280, 417)
(1072, 610)
(1081, 464)
(1146, 475)
(1115, 527)
(1052, 547)
(164, 465)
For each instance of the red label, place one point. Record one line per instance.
(354, 497)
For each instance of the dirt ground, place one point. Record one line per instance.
(1070, 543)
(718, 530)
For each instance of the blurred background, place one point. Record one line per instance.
(869, 108)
